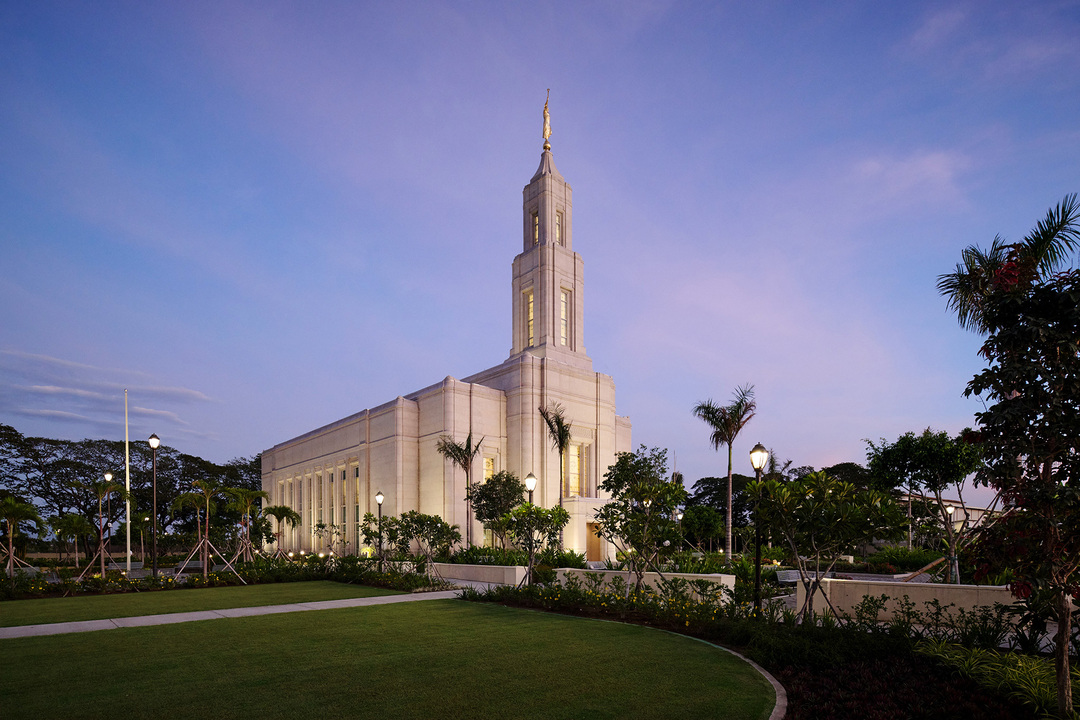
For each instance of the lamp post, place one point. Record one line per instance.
(758, 457)
(530, 485)
(154, 442)
(953, 569)
(108, 513)
(379, 497)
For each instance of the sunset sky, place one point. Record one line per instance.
(262, 217)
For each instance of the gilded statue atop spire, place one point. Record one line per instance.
(547, 122)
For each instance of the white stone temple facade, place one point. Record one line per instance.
(332, 474)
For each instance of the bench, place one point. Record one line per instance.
(123, 566)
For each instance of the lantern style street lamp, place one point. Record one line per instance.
(379, 497)
(758, 457)
(530, 485)
(154, 441)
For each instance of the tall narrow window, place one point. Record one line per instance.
(489, 468)
(356, 510)
(528, 310)
(536, 228)
(576, 462)
(564, 319)
(344, 501)
(558, 228)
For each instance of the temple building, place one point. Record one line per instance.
(332, 474)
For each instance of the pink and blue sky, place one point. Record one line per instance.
(262, 217)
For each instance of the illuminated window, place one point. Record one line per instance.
(356, 471)
(564, 333)
(489, 468)
(319, 496)
(558, 228)
(536, 228)
(528, 310)
(576, 464)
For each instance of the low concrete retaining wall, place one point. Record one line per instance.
(651, 579)
(497, 574)
(846, 594)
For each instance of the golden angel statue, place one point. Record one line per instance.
(547, 118)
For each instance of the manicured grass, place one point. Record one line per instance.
(434, 659)
(99, 607)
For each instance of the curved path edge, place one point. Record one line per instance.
(778, 713)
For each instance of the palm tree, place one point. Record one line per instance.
(72, 526)
(283, 514)
(102, 489)
(559, 430)
(244, 500)
(14, 513)
(1004, 266)
(209, 488)
(462, 455)
(726, 422)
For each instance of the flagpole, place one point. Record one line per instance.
(127, 483)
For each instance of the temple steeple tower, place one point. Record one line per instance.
(548, 302)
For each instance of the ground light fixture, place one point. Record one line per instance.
(154, 441)
(758, 457)
(530, 485)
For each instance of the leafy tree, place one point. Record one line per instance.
(533, 528)
(931, 463)
(1011, 293)
(712, 492)
(331, 534)
(726, 422)
(820, 518)
(850, 472)
(640, 517)
(1028, 437)
(49, 473)
(494, 499)
(704, 524)
(430, 534)
(463, 455)
(17, 514)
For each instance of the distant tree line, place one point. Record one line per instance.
(54, 476)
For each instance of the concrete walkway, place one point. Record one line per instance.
(170, 618)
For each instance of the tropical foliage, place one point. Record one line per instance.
(1030, 313)
(820, 518)
(640, 520)
(725, 422)
(493, 499)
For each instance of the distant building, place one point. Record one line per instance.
(332, 474)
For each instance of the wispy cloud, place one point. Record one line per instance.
(77, 392)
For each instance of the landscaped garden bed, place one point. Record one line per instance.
(845, 668)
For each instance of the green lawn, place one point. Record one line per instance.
(99, 607)
(434, 659)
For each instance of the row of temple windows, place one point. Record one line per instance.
(565, 310)
(558, 228)
(322, 503)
